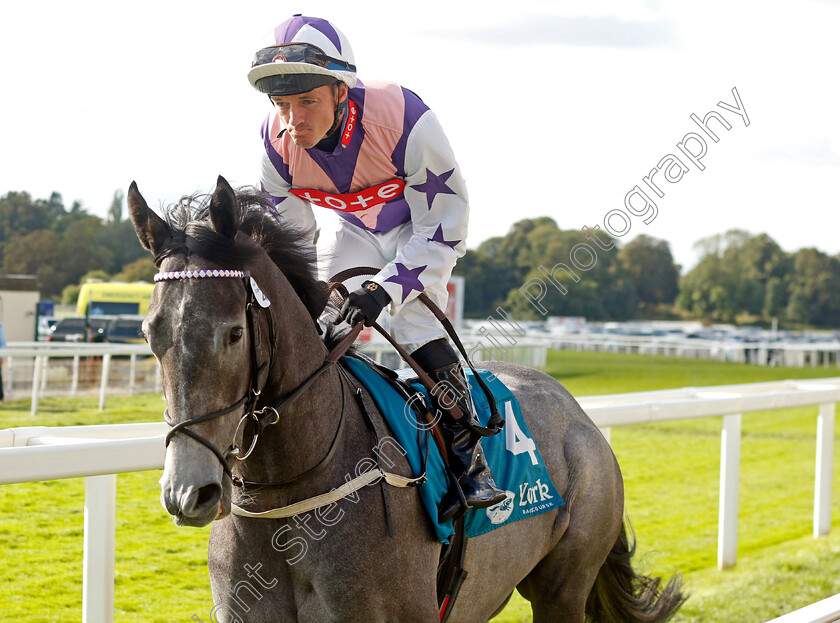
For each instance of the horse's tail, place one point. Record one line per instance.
(619, 595)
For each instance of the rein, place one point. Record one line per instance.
(495, 422)
(346, 489)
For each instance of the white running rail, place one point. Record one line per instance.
(98, 453)
(825, 611)
(56, 368)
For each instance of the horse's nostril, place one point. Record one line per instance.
(208, 495)
(169, 502)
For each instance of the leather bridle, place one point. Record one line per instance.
(258, 418)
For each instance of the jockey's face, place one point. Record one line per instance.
(309, 116)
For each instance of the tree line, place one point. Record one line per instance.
(61, 246)
(536, 269)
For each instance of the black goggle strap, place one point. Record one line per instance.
(300, 53)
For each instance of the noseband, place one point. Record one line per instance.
(255, 302)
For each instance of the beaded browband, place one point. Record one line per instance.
(200, 274)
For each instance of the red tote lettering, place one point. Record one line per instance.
(352, 202)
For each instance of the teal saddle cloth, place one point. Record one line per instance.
(512, 455)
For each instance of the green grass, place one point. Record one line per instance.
(671, 473)
(671, 476)
(83, 411)
(588, 374)
(161, 570)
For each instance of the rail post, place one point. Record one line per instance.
(10, 377)
(36, 382)
(730, 470)
(45, 363)
(103, 386)
(824, 468)
(74, 382)
(132, 374)
(99, 549)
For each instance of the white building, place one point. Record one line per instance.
(19, 298)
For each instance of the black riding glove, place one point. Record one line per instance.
(363, 305)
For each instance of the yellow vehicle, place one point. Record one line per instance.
(113, 298)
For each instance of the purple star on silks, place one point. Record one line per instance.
(407, 278)
(435, 185)
(438, 237)
(273, 202)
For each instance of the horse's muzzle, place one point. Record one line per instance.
(193, 506)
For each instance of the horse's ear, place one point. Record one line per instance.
(223, 209)
(152, 231)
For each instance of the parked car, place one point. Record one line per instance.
(80, 329)
(45, 326)
(125, 330)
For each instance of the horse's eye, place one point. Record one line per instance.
(235, 335)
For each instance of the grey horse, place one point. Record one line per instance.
(228, 355)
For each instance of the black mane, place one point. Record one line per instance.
(191, 232)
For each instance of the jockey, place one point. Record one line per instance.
(374, 154)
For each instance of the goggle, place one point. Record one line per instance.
(300, 53)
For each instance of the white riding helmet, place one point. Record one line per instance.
(302, 53)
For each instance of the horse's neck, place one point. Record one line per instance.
(304, 446)
(304, 434)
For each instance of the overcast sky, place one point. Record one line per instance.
(552, 108)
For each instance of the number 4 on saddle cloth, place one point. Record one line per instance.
(513, 457)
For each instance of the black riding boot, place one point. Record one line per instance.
(466, 457)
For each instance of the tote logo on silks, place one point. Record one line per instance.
(353, 202)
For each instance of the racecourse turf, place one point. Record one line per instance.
(671, 477)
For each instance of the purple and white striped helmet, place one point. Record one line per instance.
(302, 51)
